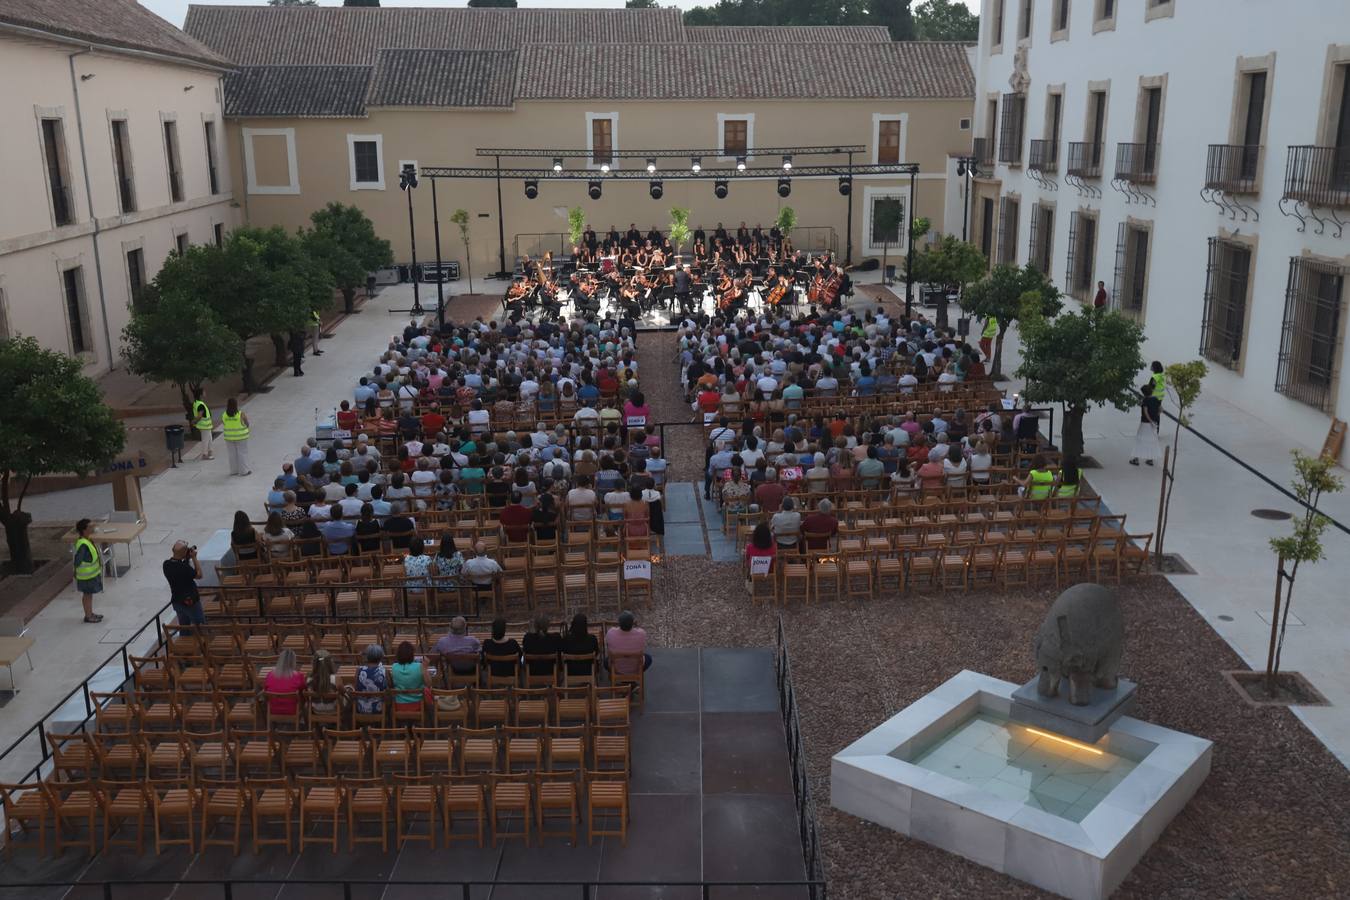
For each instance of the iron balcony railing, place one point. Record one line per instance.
(1233, 168)
(1318, 176)
(1085, 159)
(983, 151)
(1137, 163)
(1044, 157)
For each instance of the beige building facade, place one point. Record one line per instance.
(328, 103)
(114, 158)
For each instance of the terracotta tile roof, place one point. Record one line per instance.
(786, 34)
(442, 57)
(298, 91)
(118, 23)
(337, 35)
(918, 69)
(454, 78)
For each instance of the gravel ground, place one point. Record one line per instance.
(660, 381)
(1272, 820)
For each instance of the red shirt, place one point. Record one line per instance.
(432, 422)
(751, 551)
(275, 684)
(769, 495)
(931, 475)
(515, 521)
(347, 419)
(819, 523)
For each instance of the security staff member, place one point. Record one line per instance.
(88, 570)
(235, 424)
(201, 420)
(1159, 380)
(987, 337)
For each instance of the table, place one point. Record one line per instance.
(11, 648)
(108, 533)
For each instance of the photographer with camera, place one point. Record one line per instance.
(182, 571)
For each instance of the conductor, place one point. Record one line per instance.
(683, 284)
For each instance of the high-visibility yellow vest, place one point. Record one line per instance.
(990, 328)
(1159, 380)
(1041, 481)
(90, 569)
(235, 429)
(203, 414)
(314, 318)
(1067, 490)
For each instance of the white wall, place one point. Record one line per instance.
(1197, 47)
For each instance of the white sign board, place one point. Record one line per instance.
(635, 421)
(637, 569)
(760, 565)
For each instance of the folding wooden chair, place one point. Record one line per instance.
(178, 801)
(556, 799)
(463, 795)
(320, 798)
(368, 799)
(607, 797)
(25, 805)
(222, 801)
(391, 751)
(72, 804)
(478, 747)
(511, 798)
(435, 750)
(416, 796)
(347, 750)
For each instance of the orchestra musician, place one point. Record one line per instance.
(626, 259)
(776, 235)
(588, 239)
(742, 235)
(612, 239)
(757, 233)
(644, 256)
(700, 251)
(633, 237)
(654, 238)
(700, 236)
(658, 258)
(776, 288)
(720, 234)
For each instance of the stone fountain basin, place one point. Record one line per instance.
(898, 775)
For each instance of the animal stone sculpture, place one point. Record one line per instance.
(1081, 640)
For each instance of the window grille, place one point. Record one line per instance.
(1310, 340)
(1226, 277)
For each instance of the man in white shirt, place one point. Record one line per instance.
(407, 395)
(478, 418)
(907, 383)
(767, 383)
(581, 500)
(482, 570)
(320, 509)
(586, 415)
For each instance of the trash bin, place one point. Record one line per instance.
(173, 437)
(941, 317)
(963, 326)
(890, 274)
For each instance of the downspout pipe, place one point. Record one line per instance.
(89, 199)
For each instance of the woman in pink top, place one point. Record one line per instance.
(283, 685)
(635, 407)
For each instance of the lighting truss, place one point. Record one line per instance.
(714, 152)
(773, 172)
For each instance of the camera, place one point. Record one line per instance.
(192, 548)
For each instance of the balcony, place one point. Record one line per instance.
(1044, 157)
(1085, 160)
(1137, 163)
(1233, 168)
(1318, 176)
(983, 151)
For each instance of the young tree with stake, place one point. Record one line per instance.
(1183, 386)
(461, 218)
(1001, 296)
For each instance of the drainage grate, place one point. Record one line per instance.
(1223, 618)
(1277, 515)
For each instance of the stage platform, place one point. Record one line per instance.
(711, 801)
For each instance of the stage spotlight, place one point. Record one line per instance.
(531, 188)
(845, 185)
(557, 163)
(651, 166)
(604, 167)
(407, 177)
(593, 189)
(740, 164)
(787, 162)
(784, 186)
(695, 164)
(656, 189)
(720, 189)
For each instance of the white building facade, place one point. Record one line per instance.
(1192, 157)
(114, 157)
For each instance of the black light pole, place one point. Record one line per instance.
(440, 273)
(407, 181)
(848, 245)
(501, 227)
(909, 255)
(965, 170)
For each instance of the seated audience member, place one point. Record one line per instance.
(539, 641)
(578, 641)
(322, 685)
(284, 685)
(337, 533)
(244, 537)
(819, 527)
(482, 570)
(786, 525)
(515, 520)
(760, 544)
(628, 638)
(277, 538)
(458, 643)
(770, 494)
(371, 680)
(409, 677)
(500, 645)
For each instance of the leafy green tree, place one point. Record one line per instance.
(679, 228)
(343, 240)
(262, 281)
(1001, 295)
(895, 15)
(1313, 477)
(951, 263)
(178, 340)
(1085, 358)
(786, 221)
(641, 4)
(887, 218)
(292, 2)
(461, 218)
(360, 2)
(481, 4)
(54, 421)
(945, 20)
(576, 225)
(804, 12)
(1183, 386)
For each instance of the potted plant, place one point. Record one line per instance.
(679, 228)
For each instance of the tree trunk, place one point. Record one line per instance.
(349, 299)
(1271, 670)
(250, 385)
(1071, 438)
(996, 373)
(885, 248)
(468, 265)
(16, 536)
(279, 348)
